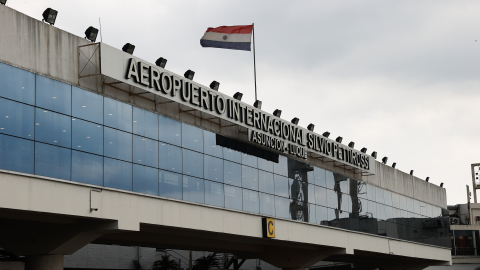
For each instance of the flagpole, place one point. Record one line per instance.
(254, 66)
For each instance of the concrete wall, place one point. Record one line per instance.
(49, 51)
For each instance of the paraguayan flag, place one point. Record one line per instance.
(228, 37)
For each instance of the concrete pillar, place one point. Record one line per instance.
(44, 262)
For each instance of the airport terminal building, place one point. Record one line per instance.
(100, 146)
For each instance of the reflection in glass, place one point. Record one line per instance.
(388, 197)
(410, 205)
(117, 115)
(145, 151)
(267, 204)
(321, 215)
(52, 128)
(170, 157)
(250, 201)
(192, 163)
(214, 194)
(16, 154)
(395, 200)
(193, 189)
(145, 123)
(213, 168)
(192, 138)
(372, 209)
(281, 186)
(52, 161)
(232, 173)
(117, 174)
(416, 207)
(16, 119)
(320, 177)
(403, 202)
(232, 155)
(265, 165)
(87, 168)
(145, 180)
(312, 213)
(249, 178)
(169, 130)
(53, 95)
(87, 137)
(233, 197)
(371, 192)
(380, 211)
(170, 185)
(282, 207)
(281, 167)
(320, 196)
(17, 84)
(210, 144)
(332, 199)
(265, 182)
(87, 105)
(249, 160)
(117, 144)
(379, 195)
(329, 180)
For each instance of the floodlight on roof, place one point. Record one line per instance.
(384, 160)
(428, 179)
(374, 154)
(394, 165)
(351, 144)
(128, 48)
(258, 104)
(91, 33)
(441, 185)
(189, 74)
(215, 85)
(161, 62)
(311, 127)
(49, 15)
(295, 121)
(339, 139)
(411, 172)
(3, 2)
(277, 113)
(238, 96)
(326, 134)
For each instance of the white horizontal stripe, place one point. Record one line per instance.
(229, 37)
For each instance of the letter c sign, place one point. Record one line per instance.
(268, 226)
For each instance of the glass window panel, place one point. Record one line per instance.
(282, 207)
(344, 185)
(416, 207)
(429, 211)
(117, 144)
(372, 209)
(329, 180)
(403, 202)
(52, 161)
(145, 151)
(332, 215)
(214, 194)
(265, 182)
(321, 215)
(346, 203)
(267, 204)
(169, 130)
(361, 189)
(332, 199)
(397, 213)
(319, 177)
(410, 207)
(232, 173)
(298, 190)
(117, 174)
(265, 165)
(53, 128)
(395, 200)
(281, 168)
(192, 163)
(232, 155)
(250, 201)
(192, 137)
(17, 84)
(249, 160)
(87, 137)
(379, 195)
(388, 197)
(371, 192)
(53, 95)
(233, 197)
(145, 123)
(170, 184)
(213, 168)
(117, 115)
(87, 105)
(16, 119)
(281, 186)
(362, 207)
(210, 144)
(423, 209)
(249, 178)
(380, 211)
(16, 154)
(320, 196)
(145, 180)
(312, 218)
(311, 194)
(170, 157)
(193, 189)
(87, 168)
(388, 212)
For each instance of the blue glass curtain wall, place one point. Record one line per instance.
(52, 129)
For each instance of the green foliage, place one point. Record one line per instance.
(206, 262)
(165, 263)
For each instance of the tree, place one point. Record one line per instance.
(165, 263)
(206, 262)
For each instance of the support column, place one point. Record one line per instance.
(44, 262)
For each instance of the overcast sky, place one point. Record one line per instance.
(398, 77)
